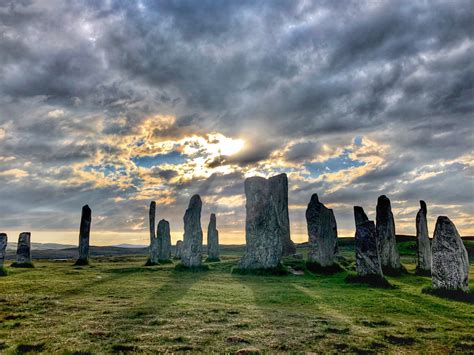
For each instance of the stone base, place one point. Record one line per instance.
(390, 271)
(151, 263)
(420, 272)
(3, 271)
(212, 260)
(371, 280)
(165, 261)
(279, 270)
(316, 268)
(457, 295)
(22, 265)
(182, 267)
(81, 262)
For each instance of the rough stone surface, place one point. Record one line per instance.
(367, 256)
(84, 234)
(3, 248)
(179, 247)
(423, 241)
(153, 258)
(386, 240)
(450, 268)
(164, 240)
(23, 250)
(279, 191)
(212, 239)
(191, 255)
(262, 230)
(322, 233)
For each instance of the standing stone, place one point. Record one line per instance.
(262, 230)
(212, 240)
(23, 250)
(191, 255)
(450, 269)
(3, 248)
(279, 190)
(322, 233)
(153, 258)
(179, 247)
(84, 233)
(164, 240)
(423, 242)
(367, 256)
(386, 240)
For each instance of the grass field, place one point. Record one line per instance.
(118, 305)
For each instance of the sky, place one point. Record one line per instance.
(117, 103)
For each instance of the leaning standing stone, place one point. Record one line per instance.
(322, 233)
(178, 250)
(279, 191)
(423, 266)
(3, 248)
(23, 250)
(153, 258)
(84, 233)
(262, 230)
(192, 245)
(212, 240)
(450, 269)
(386, 240)
(164, 240)
(367, 256)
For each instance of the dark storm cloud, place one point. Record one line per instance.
(271, 72)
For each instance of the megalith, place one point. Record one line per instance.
(23, 250)
(279, 191)
(386, 240)
(212, 239)
(178, 249)
(154, 247)
(423, 261)
(164, 240)
(322, 233)
(3, 248)
(191, 254)
(84, 234)
(262, 230)
(450, 266)
(367, 256)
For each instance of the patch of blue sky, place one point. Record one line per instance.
(332, 165)
(358, 140)
(149, 161)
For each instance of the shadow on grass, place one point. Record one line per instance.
(370, 280)
(454, 295)
(22, 265)
(279, 270)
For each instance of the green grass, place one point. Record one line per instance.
(119, 305)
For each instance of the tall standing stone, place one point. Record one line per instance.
(367, 256)
(23, 250)
(164, 240)
(84, 234)
(212, 239)
(262, 230)
(3, 248)
(154, 247)
(178, 250)
(322, 233)
(423, 242)
(450, 268)
(386, 240)
(191, 255)
(279, 191)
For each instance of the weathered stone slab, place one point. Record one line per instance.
(262, 230)
(191, 255)
(23, 250)
(386, 240)
(212, 239)
(367, 256)
(164, 240)
(322, 233)
(84, 235)
(423, 241)
(179, 248)
(154, 244)
(279, 191)
(450, 267)
(3, 248)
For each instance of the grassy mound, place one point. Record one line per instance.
(316, 268)
(181, 267)
(81, 262)
(371, 280)
(456, 295)
(22, 265)
(279, 270)
(3, 271)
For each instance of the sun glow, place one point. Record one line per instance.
(221, 145)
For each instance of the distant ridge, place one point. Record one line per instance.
(130, 246)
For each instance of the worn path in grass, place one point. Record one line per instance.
(117, 304)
